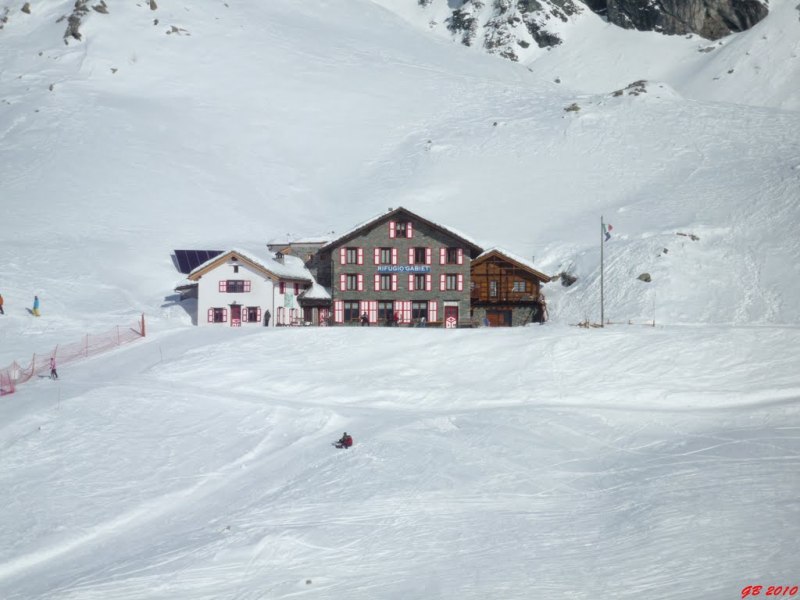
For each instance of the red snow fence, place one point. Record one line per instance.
(90, 345)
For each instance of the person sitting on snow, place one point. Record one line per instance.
(345, 441)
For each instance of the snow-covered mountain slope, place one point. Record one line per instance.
(760, 66)
(253, 122)
(549, 461)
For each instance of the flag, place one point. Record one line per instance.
(607, 231)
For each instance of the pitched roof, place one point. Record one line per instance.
(513, 258)
(388, 216)
(291, 267)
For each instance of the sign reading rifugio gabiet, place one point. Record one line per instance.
(404, 269)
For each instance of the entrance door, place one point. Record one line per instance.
(450, 317)
(236, 315)
(499, 318)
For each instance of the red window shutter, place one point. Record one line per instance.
(342, 256)
(411, 283)
(377, 256)
(394, 256)
(360, 282)
(411, 256)
(442, 282)
(258, 315)
(432, 310)
(338, 311)
(244, 314)
(442, 256)
(223, 286)
(377, 283)
(407, 311)
(373, 311)
(343, 282)
(428, 282)
(247, 285)
(394, 282)
(363, 307)
(210, 315)
(428, 253)
(282, 287)
(224, 315)
(409, 230)
(461, 256)
(296, 289)
(392, 231)
(460, 282)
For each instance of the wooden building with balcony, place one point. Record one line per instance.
(505, 290)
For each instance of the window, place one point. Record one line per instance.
(386, 256)
(493, 289)
(253, 314)
(352, 282)
(234, 286)
(351, 311)
(419, 256)
(452, 282)
(235, 268)
(419, 282)
(220, 315)
(352, 256)
(385, 308)
(452, 256)
(519, 286)
(386, 282)
(419, 310)
(400, 230)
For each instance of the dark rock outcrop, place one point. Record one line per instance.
(712, 19)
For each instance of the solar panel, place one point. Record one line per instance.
(189, 260)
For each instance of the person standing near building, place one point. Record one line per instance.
(36, 312)
(53, 372)
(267, 315)
(364, 320)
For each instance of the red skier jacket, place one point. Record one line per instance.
(347, 441)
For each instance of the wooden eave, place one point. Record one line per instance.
(497, 254)
(387, 217)
(222, 258)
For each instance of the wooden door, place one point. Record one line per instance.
(499, 318)
(236, 315)
(450, 317)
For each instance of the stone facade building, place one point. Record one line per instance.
(399, 269)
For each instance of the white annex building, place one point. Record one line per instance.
(238, 288)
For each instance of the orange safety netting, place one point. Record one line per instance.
(90, 345)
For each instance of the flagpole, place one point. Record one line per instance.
(602, 233)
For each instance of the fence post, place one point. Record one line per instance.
(33, 365)
(143, 331)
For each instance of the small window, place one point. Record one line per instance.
(352, 256)
(519, 286)
(235, 268)
(419, 256)
(386, 282)
(419, 282)
(452, 256)
(493, 288)
(352, 282)
(219, 315)
(452, 282)
(386, 256)
(237, 286)
(253, 314)
(400, 230)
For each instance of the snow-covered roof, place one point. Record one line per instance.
(387, 215)
(290, 267)
(516, 258)
(316, 292)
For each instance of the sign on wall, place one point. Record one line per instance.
(404, 269)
